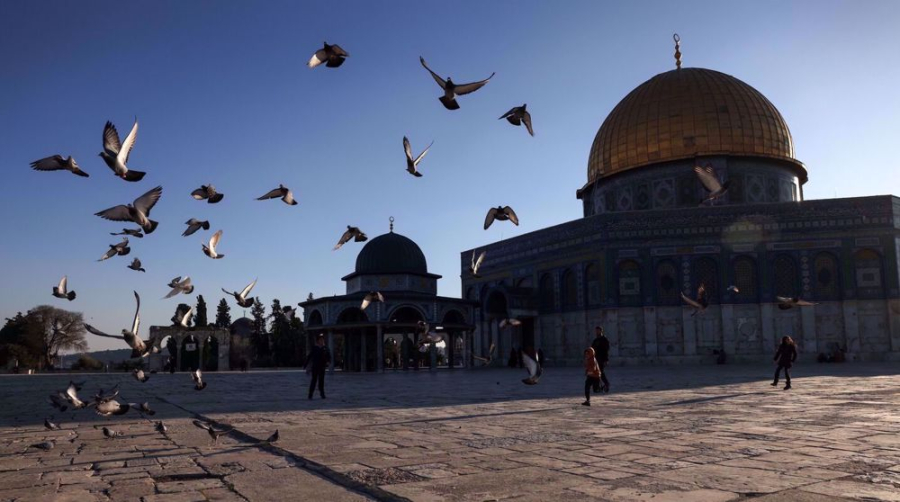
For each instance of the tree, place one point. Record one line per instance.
(260, 337)
(56, 329)
(223, 315)
(200, 313)
(16, 346)
(86, 362)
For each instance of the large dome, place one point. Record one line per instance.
(391, 254)
(685, 113)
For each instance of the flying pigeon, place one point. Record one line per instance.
(120, 249)
(733, 289)
(110, 408)
(50, 426)
(476, 263)
(428, 338)
(332, 55)
(127, 231)
(289, 312)
(243, 298)
(185, 318)
(274, 437)
(533, 365)
(700, 303)
(451, 90)
(46, 446)
(57, 163)
(139, 348)
(283, 192)
(500, 213)
(199, 384)
(142, 408)
(193, 225)
(213, 433)
(210, 250)
(180, 285)
(785, 303)
(140, 376)
(412, 164)
(504, 323)
(109, 433)
(115, 153)
(71, 396)
(61, 291)
(78, 385)
(517, 115)
(138, 212)
(490, 356)
(161, 427)
(209, 193)
(59, 401)
(136, 265)
(103, 396)
(351, 233)
(372, 297)
(711, 183)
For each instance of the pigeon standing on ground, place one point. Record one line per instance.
(139, 348)
(700, 303)
(210, 250)
(161, 428)
(46, 446)
(50, 426)
(785, 303)
(136, 265)
(109, 433)
(273, 438)
(197, 377)
(213, 433)
(120, 249)
(193, 225)
(58, 163)
(372, 297)
(243, 298)
(533, 365)
(519, 115)
(352, 233)
(61, 291)
(209, 193)
(451, 90)
(283, 192)
(180, 285)
(476, 263)
(413, 164)
(139, 375)
(127, 231)
(115, 153)
(137, 212)
(332, 55)
(500, 213)
(711, 183)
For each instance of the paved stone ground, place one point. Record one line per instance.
(711, 433)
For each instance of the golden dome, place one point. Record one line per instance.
(688, 112)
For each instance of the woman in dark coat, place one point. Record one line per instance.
(785, 357)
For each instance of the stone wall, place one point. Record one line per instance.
(202, 335)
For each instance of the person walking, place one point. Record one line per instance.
(785, 357)
(601, 352)
(592, 374)
(319, 357)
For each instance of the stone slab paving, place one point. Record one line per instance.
(698, 433)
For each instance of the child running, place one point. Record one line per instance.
(785, 357)
(592, 372)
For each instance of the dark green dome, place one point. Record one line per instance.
(391, 254)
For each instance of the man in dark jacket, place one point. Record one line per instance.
(601, 353)
(319, 357)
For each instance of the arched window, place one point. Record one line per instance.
(867, 264)
(667, 283)
(629, 283)
(524, 282)
(547, 303)
(706, 272)
(826, 278)
(569, 289)
(787, 279)
(593, 282)
(745, 279)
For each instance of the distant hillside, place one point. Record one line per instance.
(104, 356)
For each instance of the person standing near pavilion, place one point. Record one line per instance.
(601, 353)
(785, 357)
(319, 357)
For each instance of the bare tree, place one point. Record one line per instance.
(55, 329)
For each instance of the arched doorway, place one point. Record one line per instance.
(346, 349)
(190, 353)
(455, 350)
(402, 327)
(211, 354)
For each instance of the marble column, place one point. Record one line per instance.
(651, 346)
(808, 328)
(379, 348)
(729, 335)
(893, 309)
(851, 329)
(330, 342)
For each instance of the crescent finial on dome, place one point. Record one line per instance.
(677, 40)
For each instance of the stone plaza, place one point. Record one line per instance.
(664, 433)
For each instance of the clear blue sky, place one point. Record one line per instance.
(223, 96)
